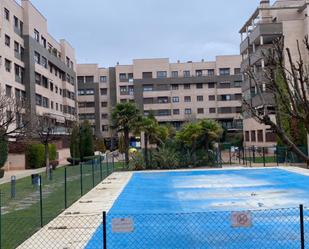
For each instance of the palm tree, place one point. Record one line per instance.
(189, 135)
(124, 117)
(211, 131)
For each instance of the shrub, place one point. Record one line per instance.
(3, 151)
(137, 162)
(166, 158)
(35, 155)
(99, 145)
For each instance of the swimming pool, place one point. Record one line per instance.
(192, 209)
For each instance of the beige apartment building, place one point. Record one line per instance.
(288, 18)
(33, 65)
(174, 92)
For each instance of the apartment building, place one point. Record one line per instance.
(174, 92)
(288, 18)
(96, 96)
(33, 65)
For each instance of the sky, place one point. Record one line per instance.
(111, 31)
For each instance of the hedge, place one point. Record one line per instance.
(35, 155)
(3, 151)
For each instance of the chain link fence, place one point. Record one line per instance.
(259, 156)
(28, 204)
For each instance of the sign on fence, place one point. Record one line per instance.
(241, 219)
(122, 225)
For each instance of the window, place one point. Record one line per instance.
(103, 91)
(131, 90)
(176, 112)
(60, 91)
(164, 113)
(199, 86)
(104, 116)
(103, 104)
(71, 64)
(224, 71)
(45, 102)
(37, 58)
(16, 22)
(247, 136)
(19, 74)
(103, 79)
(186, 74)
(51, 104)
(175, 87)
(122, 76)
(57, 107)
(44, 62)
(238, 96)
(174, 74)
(148, 100)
(56, 89)
(68, 61)
(187, 98)
(199, 73)
(44, 82)
(38, 100)
(188, 111)
(51, 86)
(175, 99)
(104, 128)
(162, 100)
(123, 90)
(161, 74)
(43, 41)
(186, 86)
(211, 97)
(225, 85)
(38, 78)
(16, 47)
(200, 98)
(7, 65)
(211, 85)
(210, 72)
(237, 71)
(7, 14)
(148, 88)
(36, 35)
(225, 110)
(260, 136)
(226, 97)
(80, 79)
(270, 136)
(8, 91)
(212, 110)
(237, 83)
(147, 75)
(253, 138)
(200, 110)
(7, 40)
(89, 79)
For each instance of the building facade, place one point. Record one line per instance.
(285, 18)
(33, 65)
(174, 92)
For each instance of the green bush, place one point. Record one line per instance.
(3, 152)
(166, 158)
(137, 162)
(35, 155)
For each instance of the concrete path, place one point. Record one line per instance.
(76, 226)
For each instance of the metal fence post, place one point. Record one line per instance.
(264, 159)
(92, 168)
(253, 154)
(41, 201)
(0, 219)
(107, 164)
(250, 160)
(302, 228)
(230, 154)
(101, 173)
(81, 179)
(113, 162)
(104, 230)
(65, 188)
(277, 155)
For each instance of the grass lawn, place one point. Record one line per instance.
(21, 215)
(268, 159)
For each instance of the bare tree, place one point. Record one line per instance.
(285, 81)
(13, 115)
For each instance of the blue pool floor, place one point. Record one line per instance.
(192, 209)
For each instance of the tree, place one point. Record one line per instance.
(82, 144)
(44, 128)
(189, 135)
(100, 145)
(211, 131)
(285, 80)
(124, 117)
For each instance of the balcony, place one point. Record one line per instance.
(266, 29)
(244, 45)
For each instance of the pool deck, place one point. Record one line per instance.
(63, 231)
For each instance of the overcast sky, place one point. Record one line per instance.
(111, 31)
